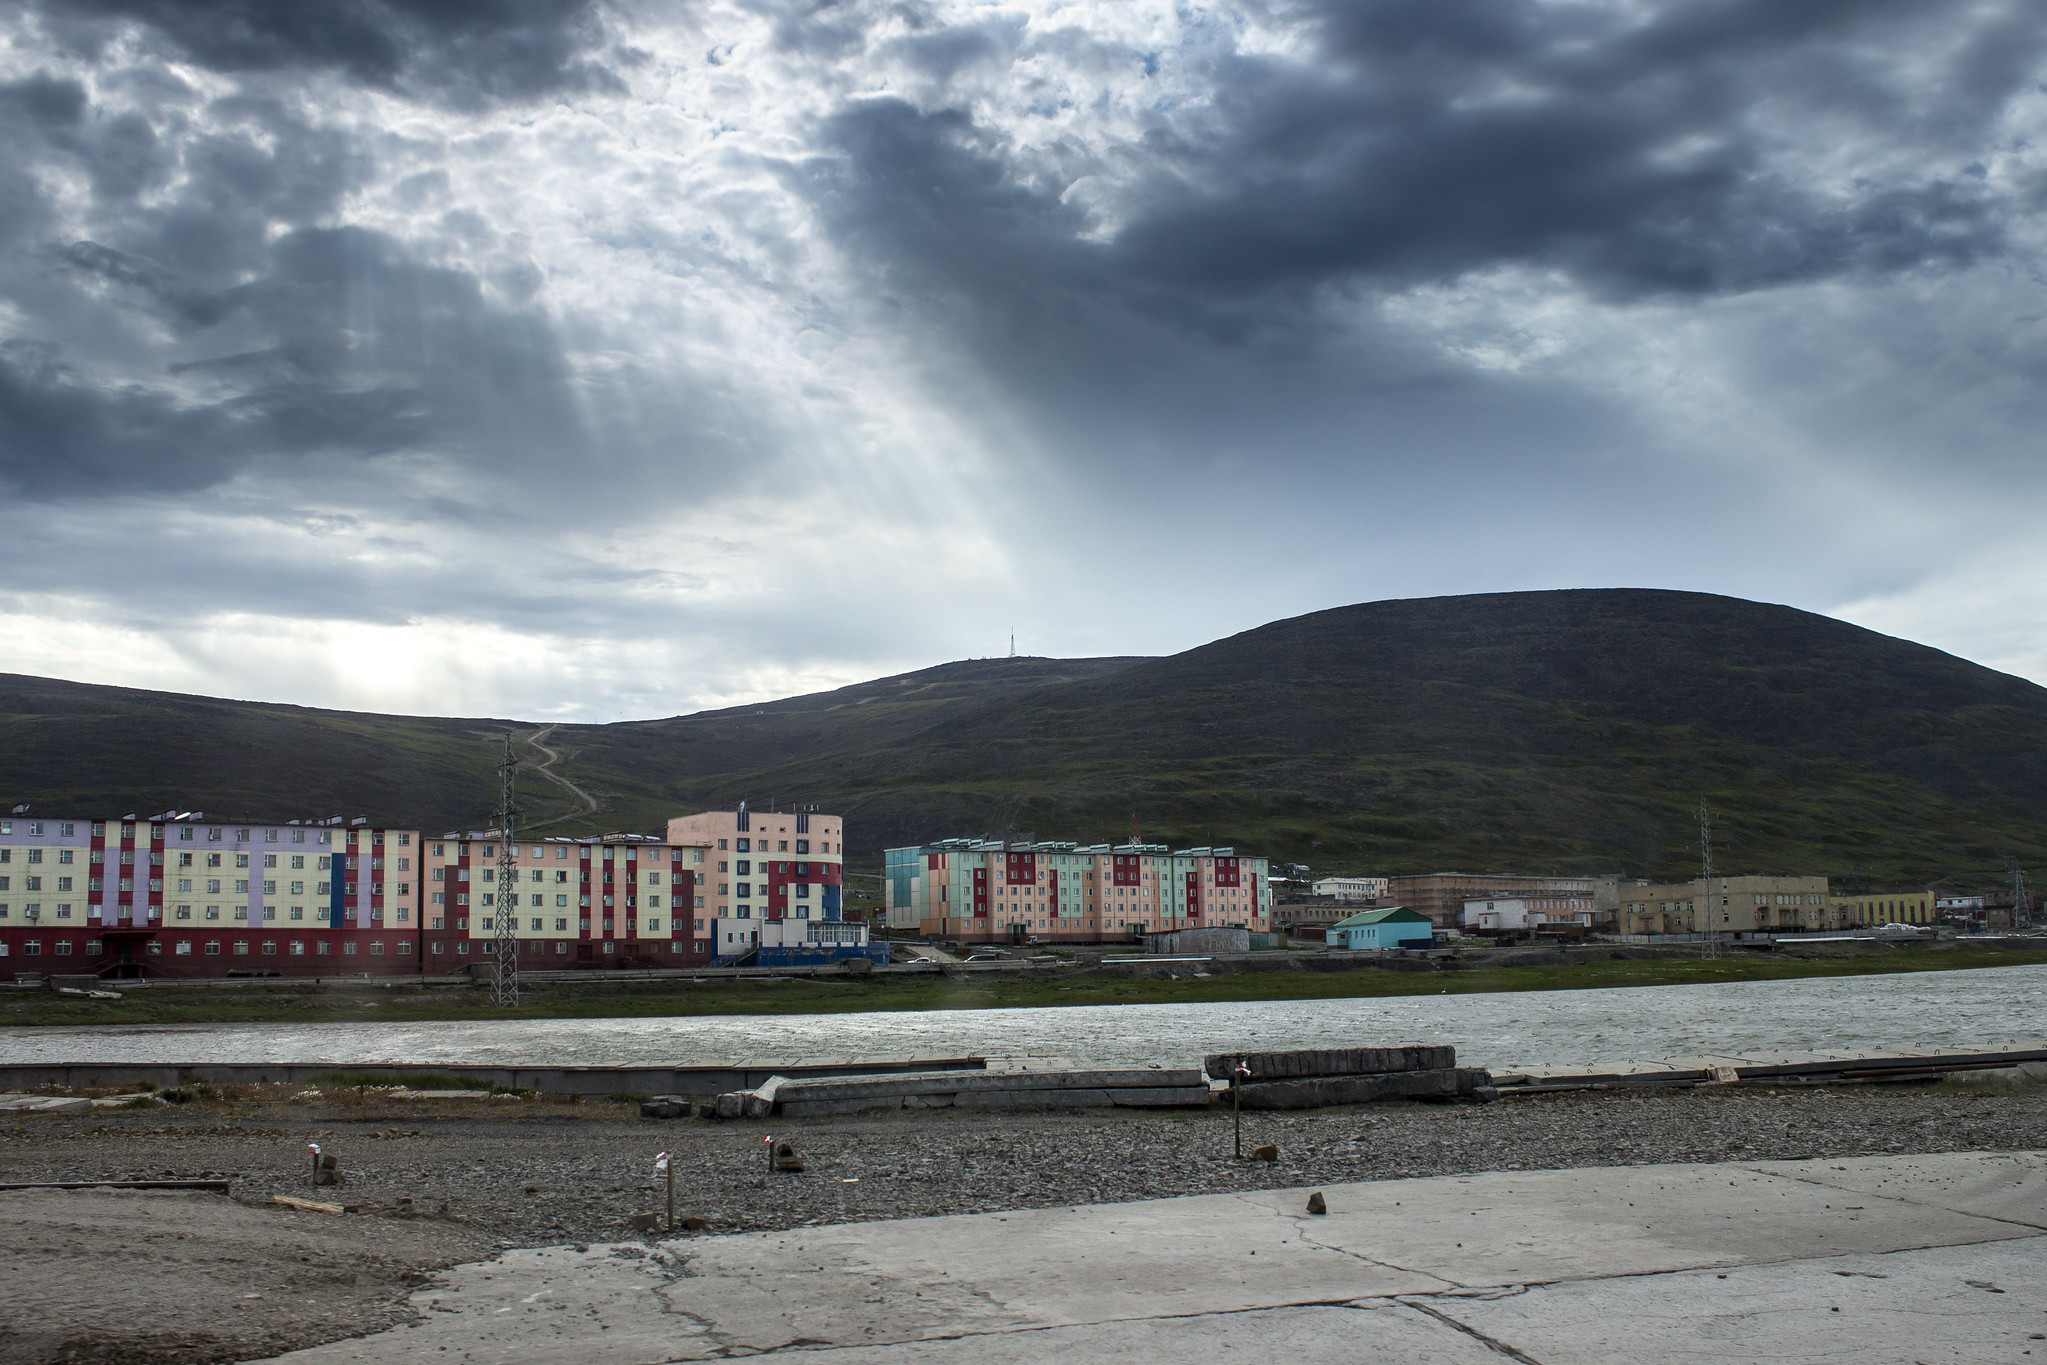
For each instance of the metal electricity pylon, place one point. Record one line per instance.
(2021, 901)
(1710, 945)
(504, 981)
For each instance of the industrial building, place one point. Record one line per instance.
(1392, 926)
(990, 890)
(1354, 888)
(1728, 905)
(1441, 895)
(1519, 912)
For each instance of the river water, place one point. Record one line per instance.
(1964, 1009)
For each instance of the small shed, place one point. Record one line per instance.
(1393, 926)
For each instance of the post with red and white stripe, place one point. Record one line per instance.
(667, 1167)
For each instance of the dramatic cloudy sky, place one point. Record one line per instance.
(586, 360)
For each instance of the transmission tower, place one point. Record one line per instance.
(2021, 901)
(1710, 945)
(504, 981)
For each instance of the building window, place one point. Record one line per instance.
(348, 948)
(297, 948)
(184, 948)
(321, 948)
(213, 947)
(376, 947)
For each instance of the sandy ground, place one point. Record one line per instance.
(141, 1276)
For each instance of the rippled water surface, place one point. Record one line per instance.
(1529, 1028)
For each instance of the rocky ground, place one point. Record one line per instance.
(486, 1174)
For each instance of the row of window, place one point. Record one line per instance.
(68, 829)
(561, 852)
(436, 948)
(537, 900)
(561, 876)
(211, 947)
(745, 845)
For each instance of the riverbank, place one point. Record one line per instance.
(1480, 971)
(215, 1279)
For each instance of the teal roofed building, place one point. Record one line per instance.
(1394, 926)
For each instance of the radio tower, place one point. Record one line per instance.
(2021, 902)
(504, 981)
(1710, 946)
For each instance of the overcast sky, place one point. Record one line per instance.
(594, 361)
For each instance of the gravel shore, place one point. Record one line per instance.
(534, 1172)
(487, 1174)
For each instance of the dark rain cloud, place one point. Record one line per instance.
(1663, 155)
(348, 346)
(462, 51)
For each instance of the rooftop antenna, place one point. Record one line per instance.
(1710, 946)
(504, 981)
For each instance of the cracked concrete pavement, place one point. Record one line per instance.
(1903, 1259)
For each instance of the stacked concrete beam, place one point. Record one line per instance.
(1315, 1077)
(1143, 1088)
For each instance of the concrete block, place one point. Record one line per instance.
(759, 1102)
(804, 1109)
(961, 1082)
(1348, 1061)
(1316, 1092)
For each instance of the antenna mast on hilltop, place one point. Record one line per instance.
(504, 981)
(1710, 946)
(1012, 644)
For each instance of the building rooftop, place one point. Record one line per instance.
(1398, 913)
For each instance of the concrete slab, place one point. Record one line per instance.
(1907, 1307)
(2008, 1186)
(1665, 1262)
(1529, 1226)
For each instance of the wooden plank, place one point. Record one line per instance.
(292, 1201)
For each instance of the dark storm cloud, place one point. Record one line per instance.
(343, 344)
(463, 51)
(1427, 139)
(214, 319)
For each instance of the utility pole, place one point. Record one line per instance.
(504, 981)
(1709, 943)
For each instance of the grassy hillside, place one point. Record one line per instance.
(1567, 730)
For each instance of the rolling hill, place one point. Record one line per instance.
(1567, 730)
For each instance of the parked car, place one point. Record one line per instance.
(983, 957)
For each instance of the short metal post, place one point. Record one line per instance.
(671, 1194)
(1237, 1074)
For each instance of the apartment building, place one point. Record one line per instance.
(611, 901)
(767, 865)
(177, 895)
(983, 890)
(1441, 895)
(1727, 905)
